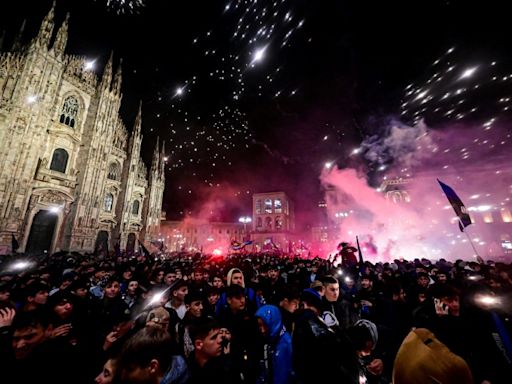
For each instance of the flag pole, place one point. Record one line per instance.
(471, 242)
(361, 263)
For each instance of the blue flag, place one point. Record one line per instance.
(458, 206)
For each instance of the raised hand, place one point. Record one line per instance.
(441, 309)
(62, 330)
(6, 317)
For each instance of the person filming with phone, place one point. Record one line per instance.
(465, 330)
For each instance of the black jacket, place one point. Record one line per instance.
(321, 353)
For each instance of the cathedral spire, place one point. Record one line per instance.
(19, 37)
(116, 85)
(62, 38)
(138, 121)
(156, 157)
(162, 159)
(46, 30)
(107, 73)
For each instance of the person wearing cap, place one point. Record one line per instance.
(63, 318)
(318, 345)
(194, 303)
(242, 325)
(366, 298)
(177, 292)
(158, 317)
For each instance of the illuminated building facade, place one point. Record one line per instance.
(71, 177)
(197, 235)
(273, 221)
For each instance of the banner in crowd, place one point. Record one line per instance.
(458, 206)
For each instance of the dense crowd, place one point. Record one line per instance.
(253, 318)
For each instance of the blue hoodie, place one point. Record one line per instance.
(276, 364)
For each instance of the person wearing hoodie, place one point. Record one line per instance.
(236, 277)
(276, 360)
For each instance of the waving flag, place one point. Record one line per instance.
(236, 245)
(143, 250)
(458, 206)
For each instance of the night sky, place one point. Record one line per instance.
(256, 96)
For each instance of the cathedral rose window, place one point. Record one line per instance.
(69, 111)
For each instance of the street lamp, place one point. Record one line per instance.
(245, 220)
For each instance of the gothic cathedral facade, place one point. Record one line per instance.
(71, 175)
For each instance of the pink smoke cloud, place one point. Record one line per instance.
(473, 159)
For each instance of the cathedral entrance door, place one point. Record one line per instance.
(130, 244)
(101, 247)
(41, 233)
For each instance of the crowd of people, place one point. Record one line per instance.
(253, 318)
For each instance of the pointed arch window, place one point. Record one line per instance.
(278, 206)
(279, 223)
(268, 205)
(69, 111)
(59, 160)
(113, 171)
(135, 207)
(109, 202)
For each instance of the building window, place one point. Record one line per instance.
(258, 206)
(109, 202)
(279, 222)
(259, 223)
(113, 171)
(268, 223)
(135, 207)
(487, 216)
(268, 205)
(505, 215)
(59, 160)
(69, 111)
(278, 207)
